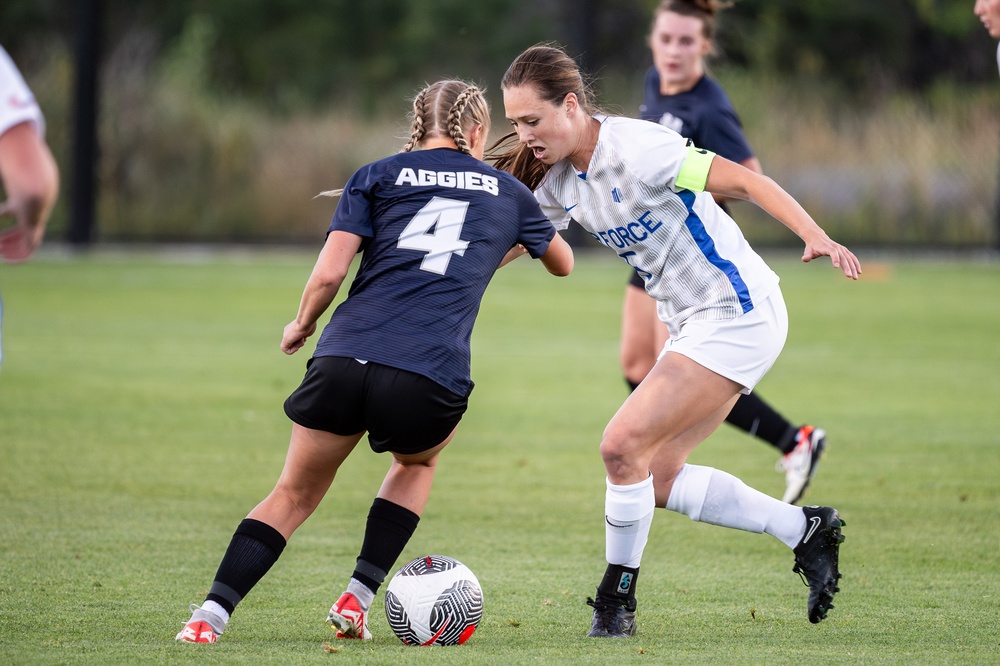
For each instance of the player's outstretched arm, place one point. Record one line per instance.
(732, 180)
(558, 258)
(328, 274)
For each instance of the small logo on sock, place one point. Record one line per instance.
(617, 524)
(625, 583)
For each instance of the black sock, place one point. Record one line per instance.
(619, 583)
(387, 532)
(755, 416)
(253, 550)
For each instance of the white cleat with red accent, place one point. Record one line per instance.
(203, 627)
(347, 618)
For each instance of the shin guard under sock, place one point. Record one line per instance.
(628, 513)
(708, 495)
(252, 552)
(387, 532)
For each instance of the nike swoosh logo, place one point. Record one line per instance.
(430, 641)
(815, 520)
(569, 208)
(608, 520)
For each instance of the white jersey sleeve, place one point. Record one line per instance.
(559, 215)
(655, 154)
(17, 103)
(657, 157)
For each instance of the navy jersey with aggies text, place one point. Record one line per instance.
(436, 224)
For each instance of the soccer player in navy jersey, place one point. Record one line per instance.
(433, 225)
(679, 95)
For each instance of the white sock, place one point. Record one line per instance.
(214, 607)
(628, 513)
(362, 592)
(708, 495)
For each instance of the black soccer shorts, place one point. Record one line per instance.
(403, 412)
(636, 280)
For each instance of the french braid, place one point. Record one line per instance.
(418, 122)
(441, 109)
(455, 118)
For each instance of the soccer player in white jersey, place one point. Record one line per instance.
(988, 12)
(433, 225)
(28, 171)
(641, 190)
(678, 94)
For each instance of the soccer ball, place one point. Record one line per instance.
(434, 600)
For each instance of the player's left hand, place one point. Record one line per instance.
(295, 337)
(840, 256)
(17, 244)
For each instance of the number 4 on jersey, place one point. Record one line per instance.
(435, 230)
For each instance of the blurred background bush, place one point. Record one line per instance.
(219, 120)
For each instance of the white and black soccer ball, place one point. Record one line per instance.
(434, 600)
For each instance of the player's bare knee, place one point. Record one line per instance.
(618, 454)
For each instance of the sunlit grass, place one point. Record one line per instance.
(140, 419)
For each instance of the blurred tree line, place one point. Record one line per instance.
(220, 119)
(292, 54)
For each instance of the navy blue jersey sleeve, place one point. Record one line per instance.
(354, 213)
(703, 114)
(722, 133)
(537, 230)
(718, 127)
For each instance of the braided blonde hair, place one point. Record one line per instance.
(417, 135)
(447, 108)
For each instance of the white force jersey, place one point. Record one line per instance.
(17, 104)
(643, 197)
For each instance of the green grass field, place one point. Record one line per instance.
(140, 419)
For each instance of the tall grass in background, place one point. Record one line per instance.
(182, 160)
(900, 170)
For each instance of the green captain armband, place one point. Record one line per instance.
(694, 171)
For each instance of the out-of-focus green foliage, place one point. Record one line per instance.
(863, 45)
(290, 52)
(221, 119)
(295, 53)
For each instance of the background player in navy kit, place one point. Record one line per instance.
(678, 95)
(433, 226)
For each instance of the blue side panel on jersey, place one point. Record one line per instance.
(707, 246)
